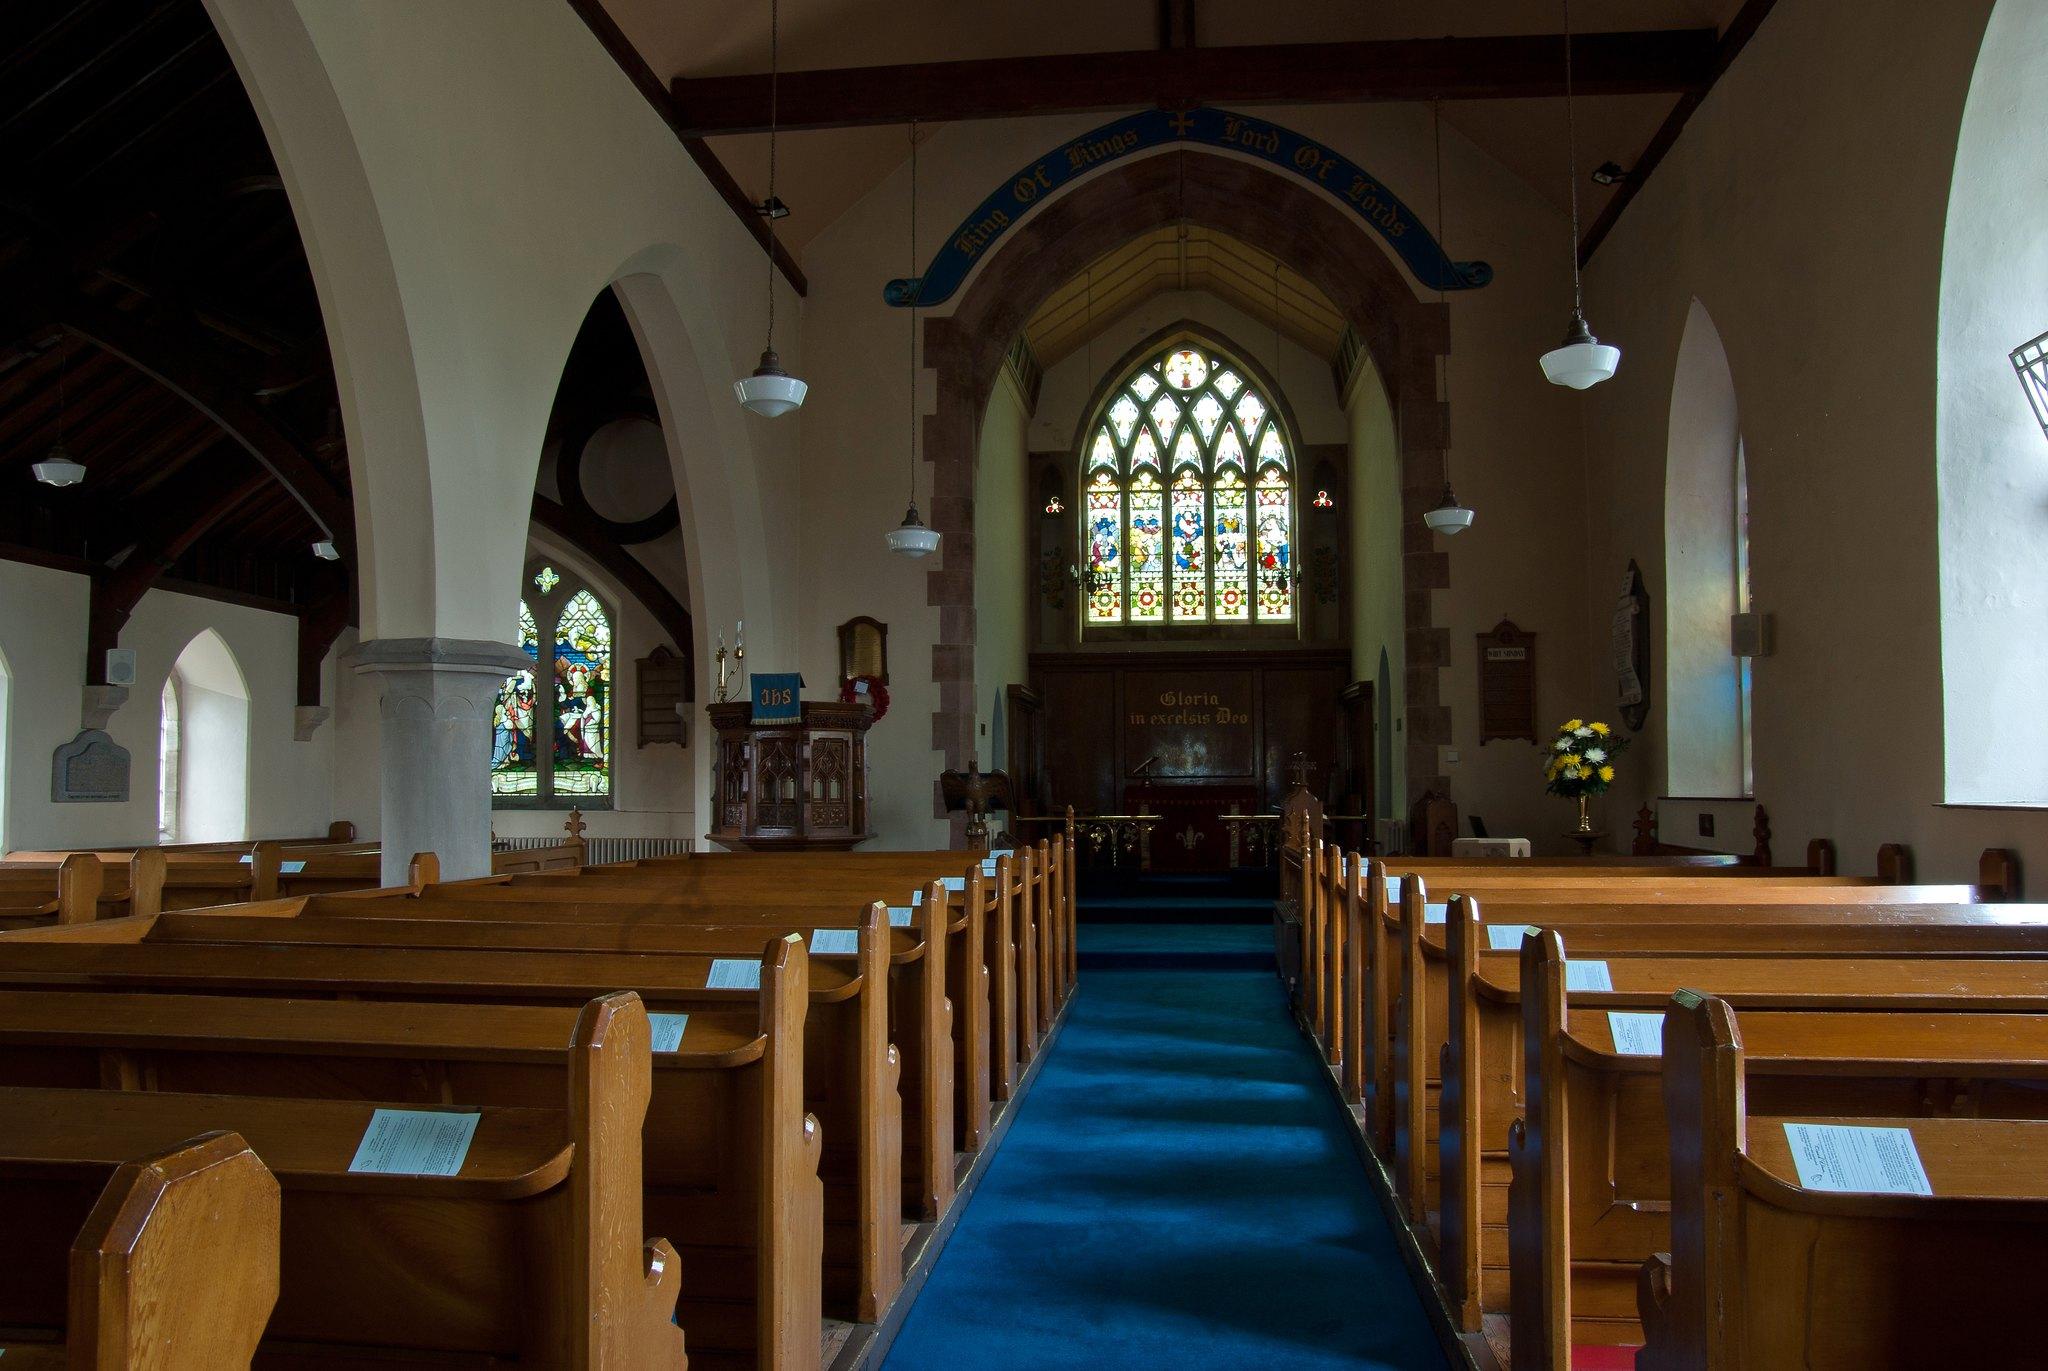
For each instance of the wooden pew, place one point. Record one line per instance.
(991, 1031)
(35, 893)
(434, 1270)
(1392, 962)
(730, 1156)
(920, 1025)
(850, 1072)
(1591, 1186)
(175, 1268)
(1764, 1272)
(1458, 1186)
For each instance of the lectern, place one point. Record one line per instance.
(791, 787)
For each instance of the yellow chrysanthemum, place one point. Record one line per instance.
(1607, 774)
(1601, 729)
(1573, 725)
(1568, 759)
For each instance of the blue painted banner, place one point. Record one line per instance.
(1369, 198)
(778, 699)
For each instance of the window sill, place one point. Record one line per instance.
(2003, 806)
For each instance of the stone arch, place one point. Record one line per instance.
(1402, 335)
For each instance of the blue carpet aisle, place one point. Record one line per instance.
(1177, 1190)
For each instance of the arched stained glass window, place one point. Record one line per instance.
(515, 768)
(583, 698)
(552, 741)
(1187, 497)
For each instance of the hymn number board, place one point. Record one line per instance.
(1507, 684)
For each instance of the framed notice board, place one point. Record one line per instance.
(1507, 684)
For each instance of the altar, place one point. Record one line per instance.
(1191, 834)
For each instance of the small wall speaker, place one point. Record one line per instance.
(121, 666)
(1749, 635)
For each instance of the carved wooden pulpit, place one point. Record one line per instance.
(791, 786)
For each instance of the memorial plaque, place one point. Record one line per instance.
(1507, 684)
(90, 769)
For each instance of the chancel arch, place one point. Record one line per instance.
(1706, 573)
(1398, 334)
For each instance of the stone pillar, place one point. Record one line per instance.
(436, 697)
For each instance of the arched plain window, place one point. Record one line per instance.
(168, 759)
(551, 734)
(203, 746)
(1187, 497)
(1706, 574)
(6, 724)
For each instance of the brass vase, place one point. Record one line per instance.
(1585, 816)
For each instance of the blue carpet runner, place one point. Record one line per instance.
(1177, 1190)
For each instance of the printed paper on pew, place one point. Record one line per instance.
(1435, 913)
(734, 973)
(291, 868)
(988, 868)
(668, 1030)
(956, 882)
(900, 915)
(1855, 1159)
(1636, 1034)
(996, 852)
(415, 1142)
(835, 942)
(1507, 937)
(916, 898)
(1584, 975)
(1393, 887)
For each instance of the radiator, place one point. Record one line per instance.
(602, 850)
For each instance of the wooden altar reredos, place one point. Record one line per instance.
(791, 786)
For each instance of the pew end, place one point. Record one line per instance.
(1998, 870)
(177, 1267)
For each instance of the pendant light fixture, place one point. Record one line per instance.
(1581, 360)
(912, 538)
(58, 467)
(771, 392)
(1449, 516)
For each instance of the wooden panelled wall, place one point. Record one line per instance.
(1218, 720)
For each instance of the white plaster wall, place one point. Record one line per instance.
(1806, 206)
(1378, 623)
(1993, 454)
(1302, 376)
(42, 624)
(1006, 590)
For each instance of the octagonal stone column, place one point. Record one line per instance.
(434, 712)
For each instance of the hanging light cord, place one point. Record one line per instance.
(1436, 114)
(774, 112)
(1571, 138)
(916, 289)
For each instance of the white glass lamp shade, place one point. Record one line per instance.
(326, 551)
(911, 538)
(770, 392)
(59, 468)
(1581, 360)
(1448, 518)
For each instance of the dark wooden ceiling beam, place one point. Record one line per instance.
(628, 59)
(173, 363)
(1649, 63)
(1740, 30)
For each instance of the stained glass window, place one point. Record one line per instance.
(551, 727)
(1188, 498)
(583, 695)
(515, 766)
